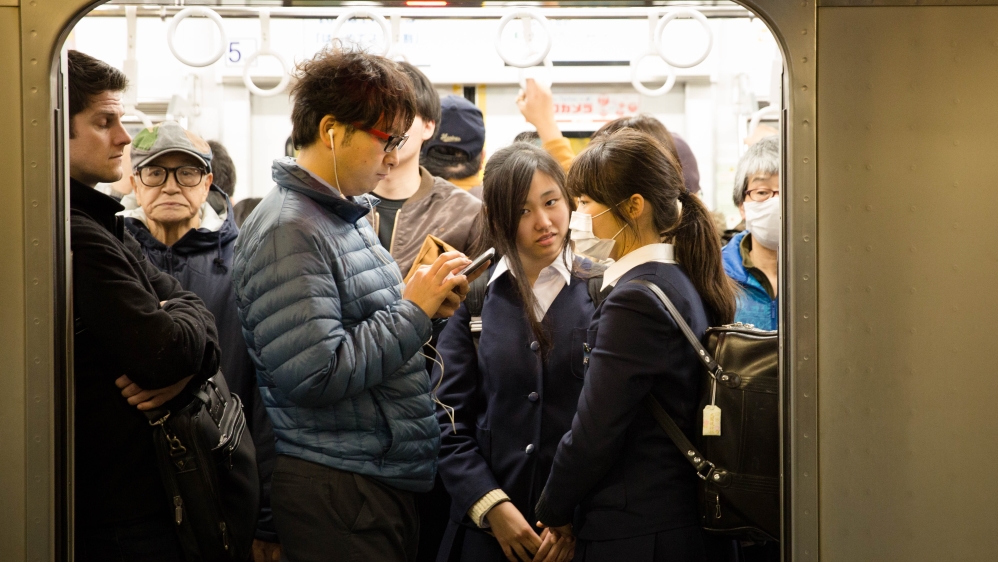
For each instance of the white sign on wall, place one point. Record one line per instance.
(594, 107)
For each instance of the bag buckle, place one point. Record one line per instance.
(704, 467)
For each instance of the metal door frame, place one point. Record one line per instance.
(35, 304)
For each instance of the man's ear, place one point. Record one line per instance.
(327, 124)
(429, 127)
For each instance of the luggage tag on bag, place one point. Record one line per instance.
(711, 413)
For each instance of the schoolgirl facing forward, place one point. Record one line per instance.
(516, 396)
(635, 492)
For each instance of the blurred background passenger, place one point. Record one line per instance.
(515, 391)
(633, 189)
(244, 207)
(133, 326)
(455, 152)
(223, 169)
(185, 226)
(414, 203)
(528, 136)
(750, 258)
(648, 124)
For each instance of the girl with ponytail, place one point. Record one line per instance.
(635, 492)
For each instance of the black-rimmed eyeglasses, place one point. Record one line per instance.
(156, 176)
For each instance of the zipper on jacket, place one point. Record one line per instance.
(178, 509)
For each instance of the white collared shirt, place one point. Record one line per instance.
(550, 281)
(661, 253)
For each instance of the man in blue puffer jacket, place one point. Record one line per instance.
(334, 333)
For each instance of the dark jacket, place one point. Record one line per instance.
(511, 408)
(617, 465)
(335, 346)
(439, 208)
(201, 261)
(121, 329)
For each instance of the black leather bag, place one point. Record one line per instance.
(739, 469)
(208, 464)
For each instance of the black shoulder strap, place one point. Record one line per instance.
(595, 284)
(712, 367)
(704, 468)
(475, 301)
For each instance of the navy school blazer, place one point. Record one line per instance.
(511, 408)
(617, 465)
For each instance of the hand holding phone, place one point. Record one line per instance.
(478, 262)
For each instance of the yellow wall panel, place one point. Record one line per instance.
(12, 497)
(907, 301)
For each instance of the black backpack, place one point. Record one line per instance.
(207, 461)
(739, 469)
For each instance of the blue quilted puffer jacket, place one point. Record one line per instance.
(336, 348)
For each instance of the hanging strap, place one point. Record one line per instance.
(712, 367)
(703, 467)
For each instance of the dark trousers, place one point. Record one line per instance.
(326, 514)
(144, 540)
(434, 513)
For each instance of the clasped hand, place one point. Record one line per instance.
(520, 542)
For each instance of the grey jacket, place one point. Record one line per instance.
(439, 208)
(336, 348)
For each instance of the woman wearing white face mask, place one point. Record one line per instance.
(617, 481)
(750, 258)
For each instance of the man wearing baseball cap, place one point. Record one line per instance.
(132, 324)
(455, 152)
(186, 227)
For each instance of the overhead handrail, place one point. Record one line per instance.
(396, 52)
(380, 20)
(660, 31)
(171, 31)
(670, 80)
(266, 50)
(130, 98)
(526, 15)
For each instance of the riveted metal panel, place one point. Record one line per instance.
(907, 301)
(795, 27)
(43, 28)
(12, 497)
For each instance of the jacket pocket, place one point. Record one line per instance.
(382, 426)
(579, 357)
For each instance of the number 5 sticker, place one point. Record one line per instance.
(239, 49)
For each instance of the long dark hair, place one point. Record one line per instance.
(618, 165)
(508, 175)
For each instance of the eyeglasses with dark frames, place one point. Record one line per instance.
(391, 141)
(186, 176)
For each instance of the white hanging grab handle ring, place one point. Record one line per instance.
(768, 111)
(695, 14)
(670, 81)
(396, 52)
(265, 50)
(380, 20)
(171, 31)
(538, 57)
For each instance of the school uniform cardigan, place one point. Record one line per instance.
(617, 465)
(511, 408)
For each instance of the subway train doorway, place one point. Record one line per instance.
(712, 73)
